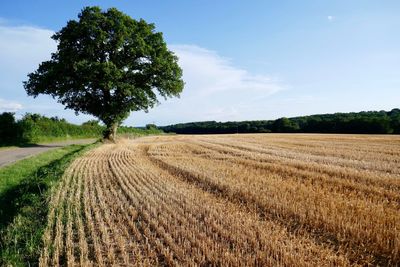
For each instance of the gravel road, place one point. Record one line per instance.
(8, 156)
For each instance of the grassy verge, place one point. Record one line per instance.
(42, 140)
(24, 192)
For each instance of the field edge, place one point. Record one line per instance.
(24, 206)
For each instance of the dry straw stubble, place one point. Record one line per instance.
(237, 200)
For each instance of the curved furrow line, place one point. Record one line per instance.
(150, 206)
(76, 237)
(128, 215)
(328, 165)
(99, 227)
(360, 176)
(194, 208)
(93, 238)
(347, 188)
(137, 201)
(95, 246)
(325, 148)
(59, 245)
(360, 145)
(166, 207)
(72, 202)
(119, 208)
(114, 244)
(338, 185)
(372, 166)
(70, 223)
(172, 208)
(287, 205)
(53, 252)
(82, 242)
(387, 227)
(172, 191)
(158, 209)
(210, 223)
(313, 184)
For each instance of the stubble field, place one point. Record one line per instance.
(230, 200)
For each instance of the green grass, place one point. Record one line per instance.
(44, 139)
(24, 193)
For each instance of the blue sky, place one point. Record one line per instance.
(242, 60)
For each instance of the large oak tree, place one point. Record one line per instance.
(107, 65)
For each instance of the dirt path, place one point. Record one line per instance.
(8, 156)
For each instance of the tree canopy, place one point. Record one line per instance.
(107, 65)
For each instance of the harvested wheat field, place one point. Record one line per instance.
(230, 200)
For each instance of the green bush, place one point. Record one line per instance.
(36, 128)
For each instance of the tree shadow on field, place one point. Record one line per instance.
(24, 208)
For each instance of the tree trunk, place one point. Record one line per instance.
(111, 132)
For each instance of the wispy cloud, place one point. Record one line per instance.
(206, 73)
(331, 18)
(9, 106)
(24, 46)
(22, 49)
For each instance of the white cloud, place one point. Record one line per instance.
(22, 48)
(205, 73)
(331, 18)
(9, 106)
(25, 46)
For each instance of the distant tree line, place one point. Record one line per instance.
(33, 128)
(366, 122)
